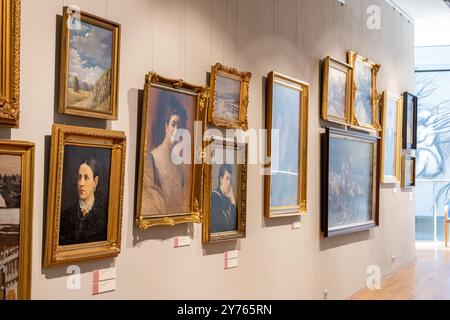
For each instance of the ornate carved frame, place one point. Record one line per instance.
(62, 136)
(244, 78)
(241, 200)
(201, 93)
(10, 63)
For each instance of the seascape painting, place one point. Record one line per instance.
(363, 99)
(227, 97)
(390, 136)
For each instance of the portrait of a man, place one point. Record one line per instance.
(223, 200)
(85, 193)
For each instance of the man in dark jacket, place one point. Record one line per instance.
(223, 204)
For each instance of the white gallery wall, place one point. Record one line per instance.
(182, 39)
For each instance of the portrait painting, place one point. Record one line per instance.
(85, 195)
(410, 110)
(364, 100)
(391, 138)
(336, 91)
(10, 24)
(225, 191)
(287, 117)
(15, 219)
(168, 175)
(89, 72)
(408, 171)
(229, 97)
(350, 193)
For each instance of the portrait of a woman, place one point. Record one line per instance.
(167, 185)
(86, 220)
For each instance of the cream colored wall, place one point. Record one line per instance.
(182, 39)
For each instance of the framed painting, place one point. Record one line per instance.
(10, 63)
(170, 167)
(391, 137)
(336, 91)
(364, 97)
(408, 172)
(89, 78)
(229, 97)
(16, 218)
(225, 191)
(410, 105)
(350, 196)
(85, 195)
(285, 186)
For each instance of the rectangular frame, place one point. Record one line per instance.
(240, 233)
(328, 63)
(26, 151)
(202, 95)
(399, 100)
(371, 127)
(369, 224)
(404, 183)
(62, 136)
(64, 108)
(406, 96)
(301, 207)
(231, 73)
(10, 63)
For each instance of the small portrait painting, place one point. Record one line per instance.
(85, 195)
(167, 185)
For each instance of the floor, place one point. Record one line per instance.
(428, 278)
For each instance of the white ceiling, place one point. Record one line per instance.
(432, 20)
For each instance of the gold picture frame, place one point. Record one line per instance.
(10, 63)
(330, 82)
(24, 150)
(392, 139)
(215, 227)
(405, 183)
(300, 90)
(371, 123)
(108, 148)
(148, 190)
(92, 101)
(229, 77)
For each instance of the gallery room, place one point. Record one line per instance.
(224, 149)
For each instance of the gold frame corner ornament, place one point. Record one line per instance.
(232, 73)
(10, 20)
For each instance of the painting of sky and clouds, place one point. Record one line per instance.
(390, 132)
(227, 95)
(90, 68)
(363, 98)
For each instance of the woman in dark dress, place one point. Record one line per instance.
(87, 220)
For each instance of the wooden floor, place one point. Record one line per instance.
(428, 278)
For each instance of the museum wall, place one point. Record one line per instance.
(182, 39)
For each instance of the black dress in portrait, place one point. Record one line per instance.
(223, 213)
(76, 228)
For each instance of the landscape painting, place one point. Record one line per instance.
(227, 96)
(363, 98)
(336, 93)
(391, 138)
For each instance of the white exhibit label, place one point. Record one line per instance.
(231, 263)
(104, 286)
(296, 225)
(105, 274)
(182, 242)
(233, 254)
(411, 195)
(395, 190)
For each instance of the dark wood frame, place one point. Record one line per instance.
(406, 96)
(403, 182)
(338, 133)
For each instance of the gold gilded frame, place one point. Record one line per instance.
(64, 108)
(62, 136)
(26, 151)
(301, 207)
(403, 181)
(241, 200)
(202, 95)
(371, 127)
(398, 140)
(328, 63)
(244, 78)
(10, 63)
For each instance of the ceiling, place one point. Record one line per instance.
(431, 18)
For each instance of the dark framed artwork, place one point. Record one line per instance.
(285, 187)
(85, 195)
(408, 171)
(89, 80)
(169, 192)
(350, 193)
(410, 107)
(225, 191)
(16, 219)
